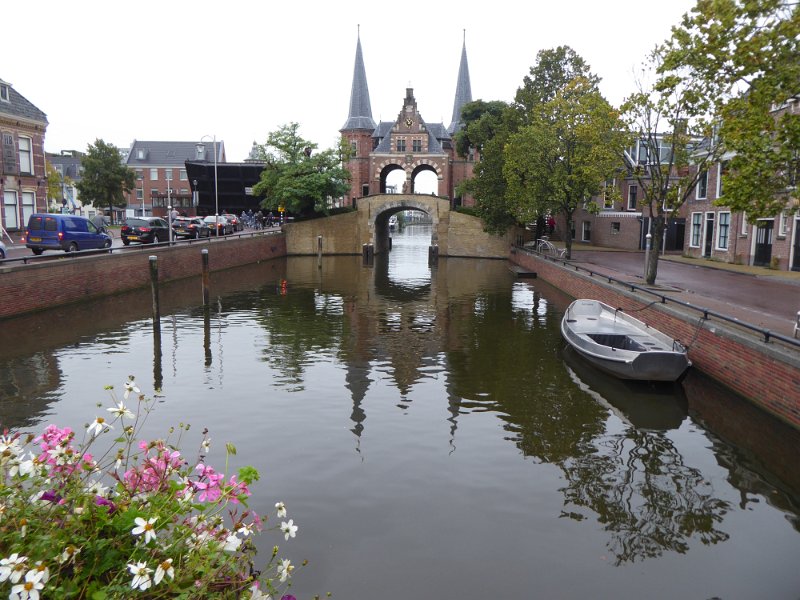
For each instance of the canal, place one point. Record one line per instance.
(430, 434)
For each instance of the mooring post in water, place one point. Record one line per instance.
(433, 254)
(368, 253)
(154, 287)
(206, 278)
(319, 251)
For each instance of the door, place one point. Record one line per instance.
(763, 251)
(709, 236)
(796, 252)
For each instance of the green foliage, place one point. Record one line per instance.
(55, 182)
(562, 157)
(481, 122)
(297, 177)
(739, 60)
(105, 179)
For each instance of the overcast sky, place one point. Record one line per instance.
(177, 70)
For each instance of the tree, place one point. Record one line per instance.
(55, 182)
(739, 61)
(105, 178)
(561, 159)
(298, 178)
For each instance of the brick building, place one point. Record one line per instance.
(23, 187)
(161, 176)
(409, 143)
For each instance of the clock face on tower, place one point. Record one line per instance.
(409, 122)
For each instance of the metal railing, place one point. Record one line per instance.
(767, 334)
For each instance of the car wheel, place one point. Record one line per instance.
(73, 247)
(156, 239)
(37, 251)
(2, 254)
(107, 244)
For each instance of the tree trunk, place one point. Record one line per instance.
(657, 227)
(568, 236)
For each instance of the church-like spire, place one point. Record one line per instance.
(463, 90)
(360, 116)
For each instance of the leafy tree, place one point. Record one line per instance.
(105, 178)
(738, 60)
(55, 182)
(298, 178)
(561, 159)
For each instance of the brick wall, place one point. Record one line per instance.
(31, 288)
(764, 374)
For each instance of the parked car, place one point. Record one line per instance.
(46, 231)
(2, 250)
(235, 221)
(219, 225)
(191, 227)
(147, 230)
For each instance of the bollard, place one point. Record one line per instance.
(390, 242)
(319, 251)
(154, 288)
(206, 277)
(433, 254)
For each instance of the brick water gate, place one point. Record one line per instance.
(454, 233)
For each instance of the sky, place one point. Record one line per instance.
(237, 70)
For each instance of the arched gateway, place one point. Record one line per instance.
(454, 233)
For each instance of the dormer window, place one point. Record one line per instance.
(5, 95)
(141, 154)
(200, 153)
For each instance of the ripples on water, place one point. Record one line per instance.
(432, 435)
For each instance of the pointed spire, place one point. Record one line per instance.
(463, 89)
(360, 116)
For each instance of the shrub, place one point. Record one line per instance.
(97, 519)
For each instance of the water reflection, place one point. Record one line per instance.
(451, 386)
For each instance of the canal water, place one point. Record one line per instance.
(430, 434)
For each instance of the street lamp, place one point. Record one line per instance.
(216, 192)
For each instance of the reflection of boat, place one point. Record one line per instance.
(649, 405)
(622, 345)
(392, 223)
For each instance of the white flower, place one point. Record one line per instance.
(257, 594)
(141, 575)
(130, 386)
(284, 569)
(12, 567)
(281, 508)
(69, 554)
(9, 445)
(290, 529)
(28, 590)
(206, 445)
(232, 543)
(145, 527)
(39, 572)
(96, 487)
(121, 411)
(245, 529)
(164, 568)
(98, 426)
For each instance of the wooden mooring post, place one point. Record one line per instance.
(206, 276)
(154, 288)
(433, 254)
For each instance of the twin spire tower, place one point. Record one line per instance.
(408, 143)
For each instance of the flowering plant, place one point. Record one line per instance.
(137, 520)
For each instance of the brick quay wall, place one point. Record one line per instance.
(767, 374)
(64, 280)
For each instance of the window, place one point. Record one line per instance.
(182, 175)
(354, 147)
(744, 223)
(782, 224)
(632, 191)
(416, 145)
(608, 193)
(168, 174)
(25, 156)
(4, 93)
(697, 228)
(586, 231)
(722, 171)
(401, 144)
(615, 227)
(153, 174)
(184, 192)
(139, 194)
(139, 175)
(723, 230)
(10, 209)
(701, 191)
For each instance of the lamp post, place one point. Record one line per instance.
(648, 239)
(216, 192)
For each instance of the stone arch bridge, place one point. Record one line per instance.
(454, 233)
